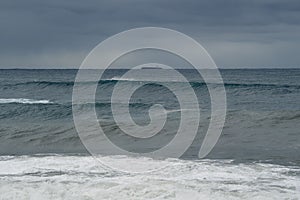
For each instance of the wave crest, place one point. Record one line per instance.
(25, 101)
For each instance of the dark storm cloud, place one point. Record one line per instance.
(237, 33)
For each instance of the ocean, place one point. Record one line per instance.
(256, 157)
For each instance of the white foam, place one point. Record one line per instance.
(82, 177)
(117, 78)
(24, 101)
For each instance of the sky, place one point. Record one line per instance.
(237, 34)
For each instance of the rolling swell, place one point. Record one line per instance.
(112, 81)
(46, 109)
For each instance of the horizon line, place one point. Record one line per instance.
(24, 68)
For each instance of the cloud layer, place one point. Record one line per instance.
(236, 33)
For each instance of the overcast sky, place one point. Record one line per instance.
(59, 34)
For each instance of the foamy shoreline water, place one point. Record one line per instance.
(82, 177)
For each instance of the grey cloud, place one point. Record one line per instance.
(60, 33)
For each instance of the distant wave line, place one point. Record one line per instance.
(116, 79)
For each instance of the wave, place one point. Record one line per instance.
(25, 101)
(117, 78)
(258, 119)
(44, 83)
(247, 85)
(114, 80)
(48, 110)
